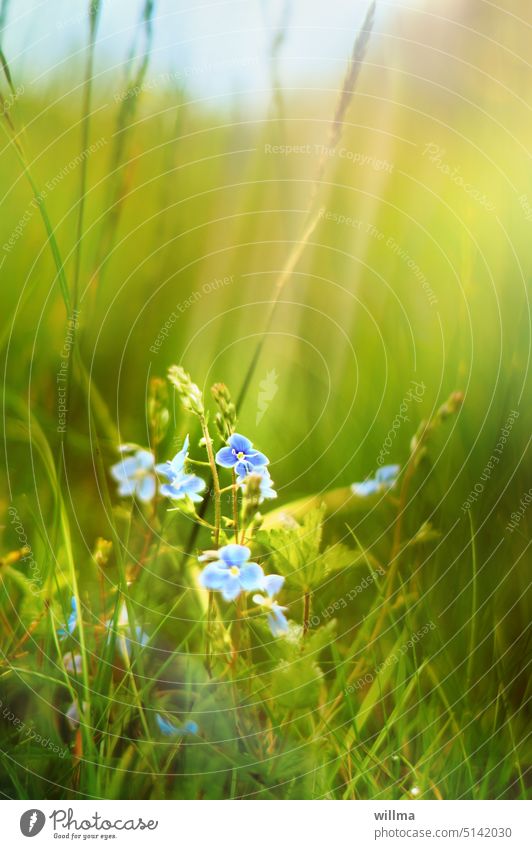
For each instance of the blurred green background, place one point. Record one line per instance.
(184, 192)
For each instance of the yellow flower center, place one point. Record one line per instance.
(234, 570)
(240, 455)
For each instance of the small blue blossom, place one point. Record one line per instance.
(70, 626)
(135, 475)
(230, 572)
(73, 663)
(180, 484)
(240, 455)
(385, 478)
(276, 618)
(72, 715)
(170, 730)
(266, 490)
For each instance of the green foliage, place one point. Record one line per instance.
(295, 550)
(355, 706)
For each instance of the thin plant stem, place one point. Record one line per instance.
(94, 16)
(313, 215)
(235, 505)
(217, 521)
(215, 481)
(211, 609)
(306, 612)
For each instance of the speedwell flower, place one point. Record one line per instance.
(180, 484)
(72, 715)
(72, 621)
(266, 489)
(276, 618)
(170, 730)
(240, 455)
(73, 663)
(135, 475)
(230, 572)
(385, 478)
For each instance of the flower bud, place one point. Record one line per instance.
(451, 406)
(226, 416)
(189, 394)
(158, 415)
(251, 496)
(102, 552)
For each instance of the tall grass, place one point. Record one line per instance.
(339, 710)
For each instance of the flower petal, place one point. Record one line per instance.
(197, 499)
(127, 488)
(387, 474)
(213, 577)
(73, 664)
(165, 727)
(365, 488)
(231, 588)
(257, 459)
(277, 621)
(243, 469)
(125, 468)
(272, 584)
(225, 458)
(146, 487)
(165, 469)
(177, 464)
(192, 483)
(145, 459)
(168, 490)
(208, 556)
(259, 599)
(72, 716)
(240, 443)
(251, 576)
(170, 730)
(234, 555)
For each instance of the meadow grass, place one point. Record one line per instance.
(405, 672)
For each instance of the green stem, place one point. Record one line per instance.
(94, 11)
(306, 612)
(235, 505)
(208, 635)
(215, 480)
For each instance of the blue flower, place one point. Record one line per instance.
(181, 485)
(276, 618)
(171, 730)
(230, 571)
(69, 627)
(266, 489)
(385, 478)
(72, 715)
(73, 663)
(240, 455)
(135, 475)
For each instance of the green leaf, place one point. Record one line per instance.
(297, 685)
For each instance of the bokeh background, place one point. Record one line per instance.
(204, 144)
